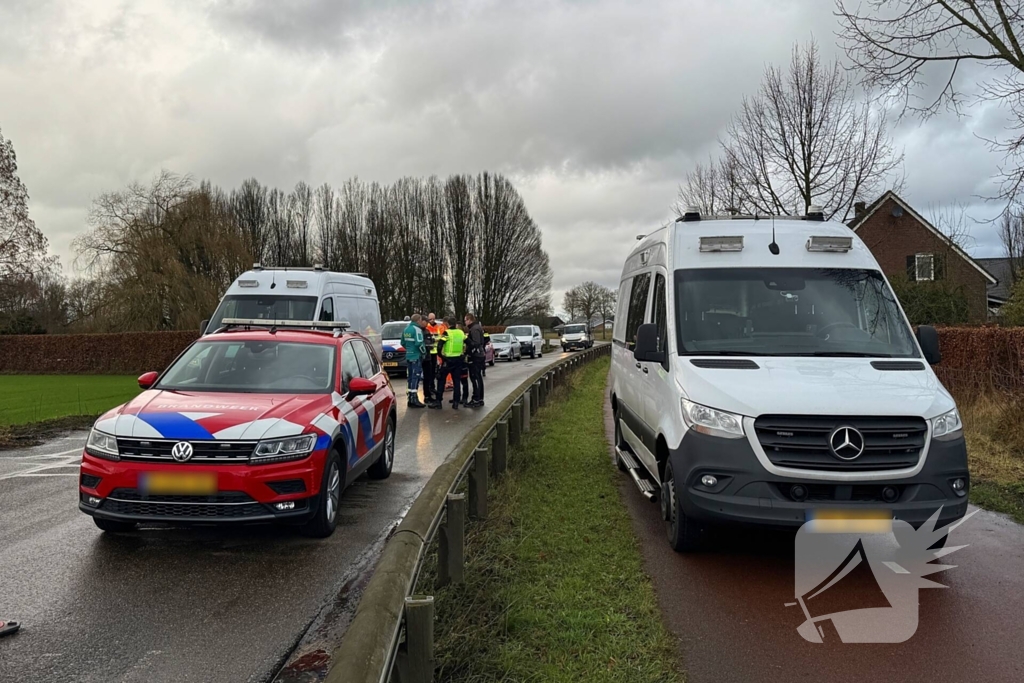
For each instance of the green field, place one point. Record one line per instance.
(33, 398)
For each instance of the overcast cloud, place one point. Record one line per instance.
(595, 109)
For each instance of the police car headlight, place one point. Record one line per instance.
(947, 426)
(102, 445)
(711, 422)
(280, 450)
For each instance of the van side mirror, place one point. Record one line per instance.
(202, 327)
(646, 349)
(148, 379)
(928, 338)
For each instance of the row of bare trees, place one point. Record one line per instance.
(160, 255)
(590, 302)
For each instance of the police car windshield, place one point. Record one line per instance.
(263, 307)
(789, 312)
(393, 330)
(520, 331)
(265, 367)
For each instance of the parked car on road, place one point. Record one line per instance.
(393, 353)
(248, 425)
(530, 339)
(576, 337)
(312, 294)
(766, 375)
(506, 347)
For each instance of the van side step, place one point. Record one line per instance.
(647, 488)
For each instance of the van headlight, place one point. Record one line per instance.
(279, 450)
(947, 426)
(712, 422)
(102, 445)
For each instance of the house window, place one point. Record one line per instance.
(924, 267)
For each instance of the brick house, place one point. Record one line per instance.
(906, 244)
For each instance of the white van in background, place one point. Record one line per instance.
(531, 341)
(763, 373)
(302, 294)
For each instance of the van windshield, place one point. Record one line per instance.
(574, 329)
(520, 331)
(789, 312)
(263, 307)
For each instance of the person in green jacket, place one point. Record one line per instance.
(412, 341)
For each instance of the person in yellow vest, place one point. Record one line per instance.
(451, 347)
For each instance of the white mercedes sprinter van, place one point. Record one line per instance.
(302, 294)
(763, 373)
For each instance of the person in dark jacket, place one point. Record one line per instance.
(477, 352)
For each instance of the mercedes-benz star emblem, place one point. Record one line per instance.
(847, 443)
(182, 451)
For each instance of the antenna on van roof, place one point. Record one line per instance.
(773, 247)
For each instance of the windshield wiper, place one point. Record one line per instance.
(726, 353)
(844, 354)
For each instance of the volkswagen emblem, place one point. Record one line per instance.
(182, 451)
(846, 443)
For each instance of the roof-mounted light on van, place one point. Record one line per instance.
(690, 214)
(297, 284)
(257, 266)
(814, 213)
(248, 283)
(722, 243)
(829, 243)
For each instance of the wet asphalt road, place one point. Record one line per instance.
(726, 607)
(200, 604)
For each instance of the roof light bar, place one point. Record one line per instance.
(295, 324)
(248, 283)
(297, 284)
(829, 243)
(722, 243)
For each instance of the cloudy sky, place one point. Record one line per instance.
(595, 109)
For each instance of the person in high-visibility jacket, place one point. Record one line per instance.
(434, 329)
(452, 347)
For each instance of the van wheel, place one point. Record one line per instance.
(325, 519)
(684, 534)
(381, 469)
(113, 525)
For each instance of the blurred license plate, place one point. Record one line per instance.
(839, 521)
(391, 364)
(174, 483)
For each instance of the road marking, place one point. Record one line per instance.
(65, 462)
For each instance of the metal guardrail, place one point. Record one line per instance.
(369, 648)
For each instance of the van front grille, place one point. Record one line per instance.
(802, 441)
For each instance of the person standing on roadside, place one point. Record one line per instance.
(433, 331)
(412, 340)
(451, 346)
(477, 355)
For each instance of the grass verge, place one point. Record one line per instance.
(555, 588)
(27, 399)
(994, 430)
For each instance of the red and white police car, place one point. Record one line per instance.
(262, 421)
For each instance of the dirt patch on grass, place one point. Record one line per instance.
(33, 434)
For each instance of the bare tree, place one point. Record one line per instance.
(300, 206)
(713, 188)
(910, 47)
(325, 218)
(459, 245)
(606, 307)
(249, 206)
(805, 138)
(22, 245)
(953, 221)
(1011, 234)
(571, 303)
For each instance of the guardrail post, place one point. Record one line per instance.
(478, 485)
(451, 553)
(527, 411)
(499, 449)
(535, 397)
(416, 665)
(515, 430)
(544, 390)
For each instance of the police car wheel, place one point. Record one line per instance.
(381, 469)
(325, 519)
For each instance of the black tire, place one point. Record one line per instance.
(620, 444)
(684, 534)
(381, 468)
(113, 525)
(325, 519)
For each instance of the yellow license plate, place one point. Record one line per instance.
(849, 521)
(392, 364)
(175, 483)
